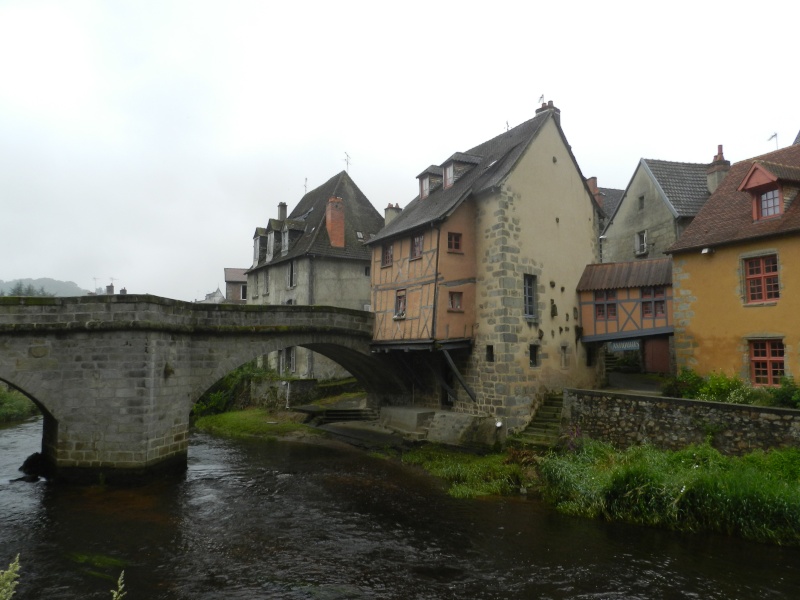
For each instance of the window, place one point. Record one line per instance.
(270, 244)
(766, 362)
(605, 305)
(489, 353)
(455, 301)
(533, 354)
(292, 274)
(416, 246)
(640, 243)
(386, 255)
(453, 242)
(761, 279)
(641, 202)
(244, 292)
(266, 282)
(287, 358)
(285, 241)
(529, 295)
(367, 271)
(448, 175)
(769, 204)
(424, 187)
(400, 304)
(653, 302)
(256, 248)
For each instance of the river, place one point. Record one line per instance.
(253, 519)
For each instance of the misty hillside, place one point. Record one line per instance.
(51, 286)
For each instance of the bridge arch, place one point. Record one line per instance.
(117, 375)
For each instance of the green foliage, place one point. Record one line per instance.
(684, 385)
(119, 593)
(247, 423)
(788, 394)
(469, 475)
(15, 406)
(696, 489)
(8, 580)
(232, 389)
(20, 289)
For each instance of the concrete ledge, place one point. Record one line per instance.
(442, 427)
(406, 419)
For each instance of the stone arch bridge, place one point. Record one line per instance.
(116, 376)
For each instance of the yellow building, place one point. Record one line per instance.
(473, 283)
(736, 274)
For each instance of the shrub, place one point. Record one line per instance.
(718, 387)
(788, 394)
(8, 580)
(15, 406)
(686, 384)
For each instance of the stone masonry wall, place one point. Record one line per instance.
(673, 423)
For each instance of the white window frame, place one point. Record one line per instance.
(640, 243)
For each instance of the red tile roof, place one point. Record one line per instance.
(727, 217)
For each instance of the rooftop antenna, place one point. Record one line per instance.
(775, 137)
(347, 161)
(507, 127)
(541, 99)
(305, 186)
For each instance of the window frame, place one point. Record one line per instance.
(767, 362)
(400, 305)
(455, 301)
(653, 302)
(454, 242)
(529, 299)
(417, 246)
(603, 301)
(424, 187)
(640, 243)
(449, 176)
(387, 255)
(765, 283)
(775, 203)
(291, 275)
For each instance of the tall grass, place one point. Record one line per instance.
(756, 497)
(252, 422)
(15, 406)
(469, 475)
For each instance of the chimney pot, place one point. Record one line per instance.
(717, 170)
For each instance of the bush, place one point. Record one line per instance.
(15, 406)
(8, 580)
(686, 384)
(233, 389)
(718, 387)
(788, 394)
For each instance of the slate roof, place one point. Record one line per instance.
(629, 274)
(685, 185)
(494, 160)
(611, 199)
(309, 218)
(235, 275)
(727, 217)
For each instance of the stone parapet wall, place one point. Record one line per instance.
(673, 423)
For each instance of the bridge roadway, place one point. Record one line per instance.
(116, 376)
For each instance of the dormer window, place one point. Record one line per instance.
(285, 241)
(270, 245)
(424, 187)
(769, 204)
(448, 175)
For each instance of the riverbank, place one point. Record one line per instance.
(755, 497)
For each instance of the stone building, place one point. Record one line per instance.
(315, 255)
(236, 286)
(473, 283)
(660, 201)
(736, 280)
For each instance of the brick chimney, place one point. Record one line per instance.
(281, 211)
(717, 170)
(549, 106)
(591, 183)
(334, 221)
(389, 213)
(110, 290)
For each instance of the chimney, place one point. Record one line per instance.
(334, 221)
(281, 211)
(390, 213)
(123, 292)
(549, 106)
(717, 170)
(591, 183)
(110, 290)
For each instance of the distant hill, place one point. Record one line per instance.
(51, 286)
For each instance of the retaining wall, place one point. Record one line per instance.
(672, 423)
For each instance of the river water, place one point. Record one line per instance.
(256, 520)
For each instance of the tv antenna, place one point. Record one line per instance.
(541, 99)
(305, 186)
(775, 137)
(347, 161)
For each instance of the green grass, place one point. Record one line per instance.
(252, 422)
(469, 475)
(756, 497)
(15, 406)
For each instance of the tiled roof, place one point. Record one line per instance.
(309, 217)
(685, 185)
(727, 217)
(497, 158)
(630, 274)
(235, 275)
(611, 199)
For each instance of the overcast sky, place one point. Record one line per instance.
(145, 141)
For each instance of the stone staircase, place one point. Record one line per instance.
(321, 416)
(543, 430)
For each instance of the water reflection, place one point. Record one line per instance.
(281, 520)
